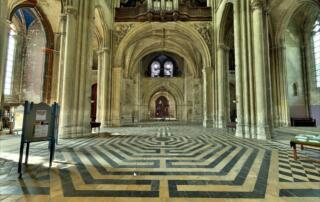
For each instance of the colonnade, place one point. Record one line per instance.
(253, 97)
(251, 91)
(252, 73)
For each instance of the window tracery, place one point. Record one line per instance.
(163, 66)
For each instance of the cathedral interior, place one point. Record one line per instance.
(162, 100)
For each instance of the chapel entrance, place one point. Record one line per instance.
(162, 107)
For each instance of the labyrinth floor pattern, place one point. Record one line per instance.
(162, 164)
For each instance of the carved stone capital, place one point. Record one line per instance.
(223, 47)
(70, 10)
(103, 50)
(205, 30)
(120, 31)
(207, 70)
(258, 5)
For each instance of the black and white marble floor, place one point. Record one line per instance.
(165, 163)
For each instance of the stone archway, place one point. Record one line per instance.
(37, 41)
(162, 105)
(136, 41)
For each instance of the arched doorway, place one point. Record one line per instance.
(185, 43)
(94, 88)
(162, 107)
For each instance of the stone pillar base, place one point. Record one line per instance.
(74, 131)
(222, 124)
(247, 130)
(208, 123)
(285, 123)
(263, 133)
(239, 131)
(116, 123)
(105, 124)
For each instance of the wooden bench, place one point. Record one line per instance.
(303, 122)
(95, 125)
(231, 126)
(304, 140)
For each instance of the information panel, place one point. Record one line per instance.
(40, 123)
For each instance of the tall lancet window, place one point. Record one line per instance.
(316, 46)
(9, 64)
(155, 69)
(168, 69)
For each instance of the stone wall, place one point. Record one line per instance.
(295, 88)
(137, 95)
(299, 106)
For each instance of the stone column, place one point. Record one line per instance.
(222, 86)
(238, 68)
(285, 113)
(116, 96)
(176, 5)
(150, 4)
(207, 74)
(279, 88)
(163, 5)
(247, 78)
(4, 27)
(305, 72)
(104, 87)
(75, 101)
(62, 28)
(260, 70)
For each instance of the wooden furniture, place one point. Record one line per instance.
(10, 126)
(304, 140)
(95, 125)
(231, 126)
(303, 122)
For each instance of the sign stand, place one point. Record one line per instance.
(40, 123)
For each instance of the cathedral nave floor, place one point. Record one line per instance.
(163, 163)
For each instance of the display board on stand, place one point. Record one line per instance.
(40, 123)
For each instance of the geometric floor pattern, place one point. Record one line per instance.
(174, 163)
